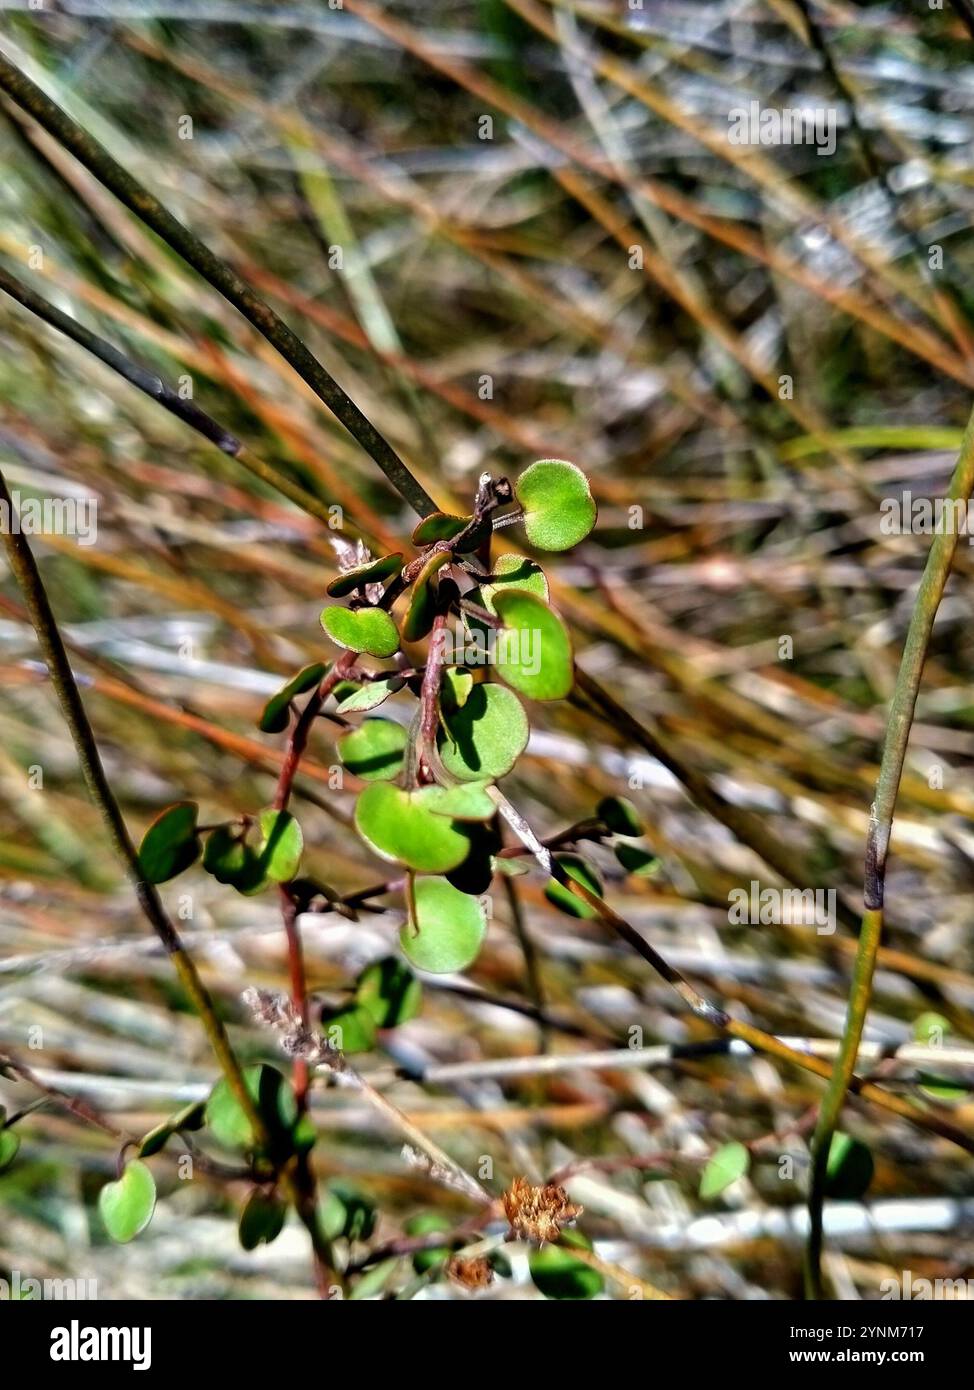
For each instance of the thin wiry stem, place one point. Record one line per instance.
(147, 207)
(897, 737)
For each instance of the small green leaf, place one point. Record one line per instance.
(171, 843)
(362, 630)
(126, 1206)
(533, 651)
(277, 711)
(261, 1219)
(730, 1162)
(582, 872)
(559, 510)
(350, 1029)
(455, 689)
(636, 860)
(345, 1213)
(466, 801)
(397, 825)
(439, 526)
(422, 604)
(9, 1145)
(557, 1274)
(375, 750)
(190, 1118)
(449, 929)
(274, 1098)
(372, 572)
(281, 845)
(620, 816)
(513, 572)
(428, 1223)
(931, 1030)
(849, 1170)
(226, 855)
(390, 991)
(484, 739)
(370, 696)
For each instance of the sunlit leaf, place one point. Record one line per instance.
(620, 816)
(466, 801)
(345, 1213)
(9, 1146)
(397, 825)
(277, 711)
(281, 844)
(370, 696)
(126, 1206)
(559, 510)
(226, 1119)
(422, 603)
(449, 928)
(351, 1029)
(375, 750)
(512, 571)
(171, 843)
(390, 991)
(730, 1162)
(533, 652)
(373, 572)
(557, 1274)
(368, 630)
(582, 872)
(484, 739)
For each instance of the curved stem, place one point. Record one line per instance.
(895, 743)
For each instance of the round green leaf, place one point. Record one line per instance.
(226, 856)
(344, 1212)
(931, 1029)
(171, 843)
(512, 571)
(582, 872)
(281, 845)
(261, 1219)
(557, 1274)
(227, 1121)
(375, 750)
(277, 711)
(126, 1206)
(439, 526)
(349, 1030)
(9, 1145)
(559, 510)
(619, 815)
(370, 696)
(849, 1170)
(390, 991)
(533, 651)
(636, 860)
(730, 1162)
(372, 572)
(368, 630)
(485, 738)
(449, 929)
(399, 827)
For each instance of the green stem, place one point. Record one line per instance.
(897, 737)
(146, 206)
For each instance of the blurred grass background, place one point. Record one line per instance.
(746, 348)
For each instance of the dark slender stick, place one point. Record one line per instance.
(218, 272)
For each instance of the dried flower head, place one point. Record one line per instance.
(475, 1273)
(538, 1213)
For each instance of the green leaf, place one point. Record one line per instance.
(372, 572)
(455, 689)
(850, 1168)
(557, 1274)
(261, 1219)
(533, 651)
(368, 630)
(422, 604)
(439, 526)
(484, 739)
(274, 1098)
(398, 826)
(281, 845)
(126, 1206)
(931, 1030)
(171, 842)
(427, 1223)
(582, 872)
(350, 1029)
(390, 991)
(449, 929)
(190, 1118)
(466, 801)
(370, 696)
(375, 750)
(559, 510)
(345, 1212)
(226, 856)
(9, 1145)
(513, 572)
(730, 1162)
(277, 711)
(636, 860)
(620, 816)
